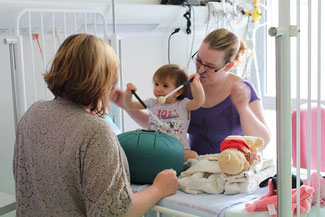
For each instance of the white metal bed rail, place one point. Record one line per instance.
(283, 108)
(38, 34)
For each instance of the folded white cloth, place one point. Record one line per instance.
(205, 176)
(248, 181)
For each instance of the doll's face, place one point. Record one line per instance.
(232, 162)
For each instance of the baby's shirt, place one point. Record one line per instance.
(175, 115)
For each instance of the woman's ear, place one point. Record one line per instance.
(230, 65)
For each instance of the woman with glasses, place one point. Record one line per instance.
(231, 105)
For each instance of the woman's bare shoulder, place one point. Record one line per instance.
(233, 78)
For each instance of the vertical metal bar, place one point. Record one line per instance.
(95, 24)
(13, 78)
(114, 16)
(85, 17)
(44, 51)
(309, 96)
(23, 79)
(283, 108)
(121, 112)
(65, 24)
(319, 118)
(13, 81)
(115, 46)
(75, 22)
(283, 164)
(298, 144)
(53, 33)
(32, 54)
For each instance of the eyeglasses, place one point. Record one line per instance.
(208, 68)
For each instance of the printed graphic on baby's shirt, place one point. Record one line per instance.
(171, 117)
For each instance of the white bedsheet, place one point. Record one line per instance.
(206, 205)
(220, 205)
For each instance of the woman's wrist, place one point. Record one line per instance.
(159, 194)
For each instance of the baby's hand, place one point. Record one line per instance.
(130, 87)
(196, 80)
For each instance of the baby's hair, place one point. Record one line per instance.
(224, 40)
(84, 71)
(173, 72)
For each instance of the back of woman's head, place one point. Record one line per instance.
(224, 40)
(174, 73)
(84, 71)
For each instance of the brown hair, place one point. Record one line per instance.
(173, 72)
(224, 40)
(84, 71)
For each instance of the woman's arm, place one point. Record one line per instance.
(253, 123)
(165, 184)
(251, 114)
(140, 116)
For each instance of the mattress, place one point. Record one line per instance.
(206, 205)
(219, 205)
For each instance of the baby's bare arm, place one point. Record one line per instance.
(197, 92)
(128, 101)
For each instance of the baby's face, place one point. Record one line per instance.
(162, 88)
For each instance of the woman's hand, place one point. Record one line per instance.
(240, 95)
(166, 182)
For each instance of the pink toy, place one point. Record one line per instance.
(315, 186)
(271, 198)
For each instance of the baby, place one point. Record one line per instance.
(175, 110)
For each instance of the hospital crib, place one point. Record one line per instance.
(40, 31)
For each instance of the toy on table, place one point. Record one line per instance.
(317, 186)
(150, 152)
(274, 179)
(238, 153)
(271, 200)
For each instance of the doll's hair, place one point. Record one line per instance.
(225, 40)
(175, 73)
(84, 71)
